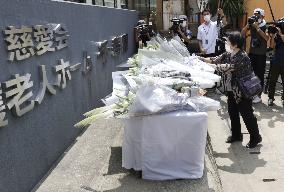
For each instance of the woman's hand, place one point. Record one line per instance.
(213, 65)
(206, 60)
(200, 58)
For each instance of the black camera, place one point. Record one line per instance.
(143, 32)
(272, 28)
(144, 29)
(176, 23)
(253, 19)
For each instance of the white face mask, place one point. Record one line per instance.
(207, 18)
(228, 48)
(183, 24)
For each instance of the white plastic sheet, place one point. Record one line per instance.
(166, 146)
(205, 104)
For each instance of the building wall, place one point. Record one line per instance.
(31, 144)
(276, 5)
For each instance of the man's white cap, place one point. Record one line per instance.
(259, 11)
(183, 17)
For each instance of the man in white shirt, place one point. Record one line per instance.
(208, 33)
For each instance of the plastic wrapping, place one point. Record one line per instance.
(180, 47)
(152, 99)
(197, 64)
(159, 39)
(204, 104)
(120, 87)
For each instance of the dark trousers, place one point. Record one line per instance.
(245, 109)
(258, 63)
(275, 71)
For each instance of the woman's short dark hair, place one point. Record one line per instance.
(236, 38)
(205, 10)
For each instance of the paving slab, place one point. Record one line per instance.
(250, 170)
(93, 164)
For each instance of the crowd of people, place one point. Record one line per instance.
(228, 55)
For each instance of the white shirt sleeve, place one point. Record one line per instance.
(199, 34)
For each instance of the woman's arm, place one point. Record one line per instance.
(206, 60)
(216, 62)
(225, 68)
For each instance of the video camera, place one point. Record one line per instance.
(176, 23)
(144, 29)
(272, 26)
(252, 20)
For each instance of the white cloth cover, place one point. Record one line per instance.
(166, 146)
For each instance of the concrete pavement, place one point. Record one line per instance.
(93, 163)
(250, 170)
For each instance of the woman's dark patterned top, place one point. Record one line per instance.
(236, 66)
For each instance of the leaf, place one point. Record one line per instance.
(89, 120)
(98, 110)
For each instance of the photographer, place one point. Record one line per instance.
(141, 34)
(258, 45)
(180, 28)
(276, 40)
(208, 33)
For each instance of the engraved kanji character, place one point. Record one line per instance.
(3, 122)
(103, 51)
(61, 36)
(44, 38)
(124, 39)
(116, 46)
(19, 85)
(62, 69)
(87, 63)
(44, 85)
(20, 44)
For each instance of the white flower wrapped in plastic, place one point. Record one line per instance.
(180, 47)
(153, 99)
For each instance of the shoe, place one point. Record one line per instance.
(270, 102)
(253, 143)
(256, 99)
(232, 139)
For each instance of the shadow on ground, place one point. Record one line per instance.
(250, 160)
(131, 181)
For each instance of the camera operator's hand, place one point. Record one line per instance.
(221, 12)
(202, 50)
(179, 30)
(255, 25)
(245, 30)
(272, 35)
(279, 31)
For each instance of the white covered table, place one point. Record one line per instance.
(166, 146)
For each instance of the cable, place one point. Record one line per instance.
(271, 10)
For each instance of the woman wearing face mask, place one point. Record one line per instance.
(208, 33)
(236, 62)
